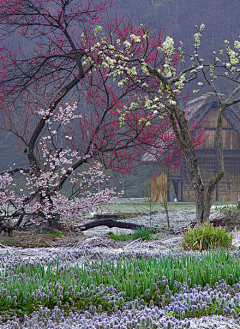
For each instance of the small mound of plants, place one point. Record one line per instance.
(142, 233)
(205, 237)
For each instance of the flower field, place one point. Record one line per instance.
(87, 290)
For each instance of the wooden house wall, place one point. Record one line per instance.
(231, 139)
(228, 189)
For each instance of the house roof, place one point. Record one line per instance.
(196, 109)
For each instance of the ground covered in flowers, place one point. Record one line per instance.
(98, 283)
(53, 301)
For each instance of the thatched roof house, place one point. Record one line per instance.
(204, 111)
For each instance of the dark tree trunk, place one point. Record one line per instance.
(203, 194)
(181, 130)
(109, 222)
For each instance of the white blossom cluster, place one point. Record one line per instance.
(232, 64)
(179, 84)
(167, 46)
(198, 35)
(168, 49)
(233, 58)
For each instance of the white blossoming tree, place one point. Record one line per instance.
(138, 58)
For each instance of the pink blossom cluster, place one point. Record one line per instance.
(40, 192)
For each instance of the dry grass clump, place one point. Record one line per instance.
(33, 239)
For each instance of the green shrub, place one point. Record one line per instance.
(206, 237)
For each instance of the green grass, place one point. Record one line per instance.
(140, 205)
(54, 233)
(143, 234)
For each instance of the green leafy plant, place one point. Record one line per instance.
(206, 237)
